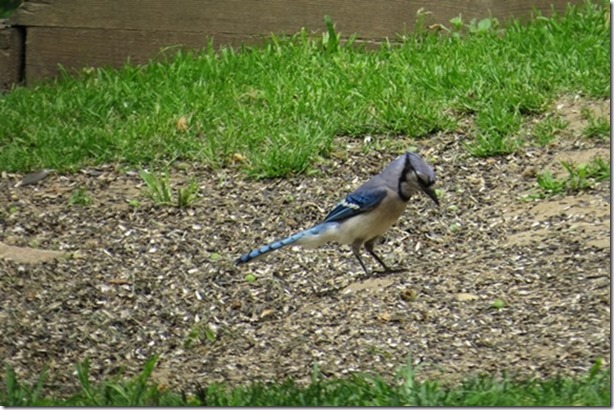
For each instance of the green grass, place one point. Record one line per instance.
(7, 7)
(591, 389)
(158, 189)
(80, 197)
(547, 129)
(280, 106)
(579, 177)
(597, 127)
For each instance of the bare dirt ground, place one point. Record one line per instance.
(117, 284)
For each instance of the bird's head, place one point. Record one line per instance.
(417, 176)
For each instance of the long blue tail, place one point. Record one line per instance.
(280, 243)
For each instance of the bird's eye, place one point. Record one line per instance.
(425, 181)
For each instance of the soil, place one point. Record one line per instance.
(493, 282)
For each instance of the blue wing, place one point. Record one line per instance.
(354, 204)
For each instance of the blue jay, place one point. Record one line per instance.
(367, 213)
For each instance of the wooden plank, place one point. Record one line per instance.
(78, 48)
(78, 33)
(368, 18)
(11, 56)
(74, 49)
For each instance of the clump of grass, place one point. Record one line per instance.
(583, 176)
(549, 184)
(19, 394)
(288, 99)
(591, 389)
(491, 144)
(579, 177)
(139, 391)
(80, 197)
(597, 127)
(547, 129)
(158, 189)
(201, 333)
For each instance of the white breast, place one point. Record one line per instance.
(367, 226)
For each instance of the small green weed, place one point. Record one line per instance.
(80, 197)
(200, 333)
(549, 184)
(158, 189)
(597, 127)
(186, 196)
(454, 227)
(498, 304)
(579, 177)
(547, 129)
(483, 26)
(583, 176)
(214, 257)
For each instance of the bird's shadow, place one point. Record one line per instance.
(363, 278)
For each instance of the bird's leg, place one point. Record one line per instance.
(369, 247)
(356, 250)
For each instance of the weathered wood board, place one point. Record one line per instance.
(368, 18)
(81, 33)
(77, 48)
(11, 56)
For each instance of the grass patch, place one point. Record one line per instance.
(592, 389)
(158, 189)
(579, 177)
(597, 127)
(547, 129)
(497, 127)
(80, 197)
(200, 334)
(7, 7)
(281, 105)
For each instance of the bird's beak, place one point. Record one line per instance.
(431, 193)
